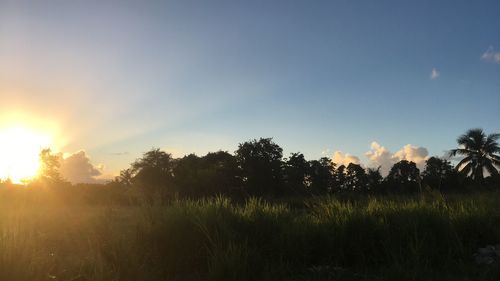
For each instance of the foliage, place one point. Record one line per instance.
(153, 172)
(405, 176)
(320, 178)
(374, 178)
(258, 168)
(480, 153)
(49, 167)
(260, 162)
(44, 237)
(164, 219)
(356, 178)
(439, 174)
(296, 169)
(214, 173)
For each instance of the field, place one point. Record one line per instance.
(426, 237)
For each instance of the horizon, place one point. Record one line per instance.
(357, 82)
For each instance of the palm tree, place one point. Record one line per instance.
(481, 153)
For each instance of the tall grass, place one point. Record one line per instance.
(422, 238)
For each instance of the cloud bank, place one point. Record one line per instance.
(340, 158)
(381, 156)
(77, 168)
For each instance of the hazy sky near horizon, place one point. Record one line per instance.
(119, 77)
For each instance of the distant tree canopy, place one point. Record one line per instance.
(257, 168)
(296, 169)
(214, 173)
(405, 176)
(261, 164)
(374, 179)
(153, 171)
(320, 176)
(356, 178)
(439, 174)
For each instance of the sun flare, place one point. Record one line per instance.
(19, 152)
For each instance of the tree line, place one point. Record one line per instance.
(258, 168)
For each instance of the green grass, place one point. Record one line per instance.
(385, 238)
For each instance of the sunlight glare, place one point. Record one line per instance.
(19, 152)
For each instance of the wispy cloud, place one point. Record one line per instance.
(325, 152)
(434, 74)
(490, 55)
(119, 153)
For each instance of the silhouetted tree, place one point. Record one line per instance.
(153, 172)
(188, 176)
(355, 178)
(226, 176)
(320, 176)
(374, 179)
(296, 169)
(260, 163)
(439, 173)
(339, 179)
(125, 178)
(215, 173)
(49, 167)
(404, 176)
(481, 153)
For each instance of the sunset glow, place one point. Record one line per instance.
(19, 149)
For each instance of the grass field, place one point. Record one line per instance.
(428, 237)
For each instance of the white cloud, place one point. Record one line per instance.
(490, 55)
(381, 156)
(77, 168)
(434, 74)
(413, 153)
(340, 158)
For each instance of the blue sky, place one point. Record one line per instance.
(120, 77)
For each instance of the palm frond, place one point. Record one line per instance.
(496, 161)
(491, 168)
(464, 161)
(460, 151)
(466, 141)
(472, 139)
(466, 169)
(494, 136)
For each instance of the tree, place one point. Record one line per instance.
(225, 175)
(296, 169)
(480, 153)
(405, 176)
(214, 173)
(153, 172)
(260, 162)
(49, 166)
(374, 178)
(188, 176)
(339, 179)
(320, 176)
(355, 178)
(125, 178)
(438, 173)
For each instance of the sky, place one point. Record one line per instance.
(359, 81)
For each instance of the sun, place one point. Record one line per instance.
(20, 147)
